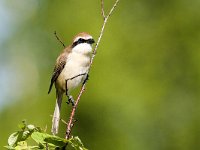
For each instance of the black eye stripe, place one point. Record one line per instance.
(81, 40)
(89, 41)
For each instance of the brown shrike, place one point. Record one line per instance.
(73, 62)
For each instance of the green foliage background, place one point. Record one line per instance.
(143, 91)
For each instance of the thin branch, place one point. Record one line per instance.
(59, 39)
(45, 129)
(70, 122)
(102, 9)
(62, 120)
(117, 1)
(77, 76)
(102, 30)
(47, 147)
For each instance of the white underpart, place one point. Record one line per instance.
(82, 48)
(77, 63)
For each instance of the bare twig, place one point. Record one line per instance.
(102, 30)
(59, 39)
(82, 74)
(45, 129)
(111, 10)
(102, 9)
(62, 120)
(47, 147)
(70, 122)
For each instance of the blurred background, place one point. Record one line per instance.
(144, 86)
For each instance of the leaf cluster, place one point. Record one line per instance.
(19, 140)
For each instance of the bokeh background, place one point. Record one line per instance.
(144, 86)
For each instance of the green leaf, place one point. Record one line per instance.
(12, 140)
(9, 147)
(17, 137)
(34, 147)
(55, 140)
(43, 138)
(25, 135)
(77, 144)
(30, 127)
(22, 125)
(39, 137)
(22, 145)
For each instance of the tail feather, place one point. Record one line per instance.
(56, 115)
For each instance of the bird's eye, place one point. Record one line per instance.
(80, 40)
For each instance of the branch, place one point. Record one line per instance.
(71, 119)
(102, 9)
(59, 39)
(62, 120)
(47, 147)
(82, 74)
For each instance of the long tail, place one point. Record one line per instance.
(56, 115)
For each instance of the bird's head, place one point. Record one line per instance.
(82, 43)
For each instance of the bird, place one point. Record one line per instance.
(71, 69)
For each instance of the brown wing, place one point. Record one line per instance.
(60, 64)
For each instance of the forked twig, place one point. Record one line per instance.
(70, 122)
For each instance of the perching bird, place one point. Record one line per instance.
(73, 62)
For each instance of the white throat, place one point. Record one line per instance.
(83, 48)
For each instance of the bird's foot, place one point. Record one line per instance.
(87, 78)
(70, 100)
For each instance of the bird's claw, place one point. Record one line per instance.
(70, 100)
